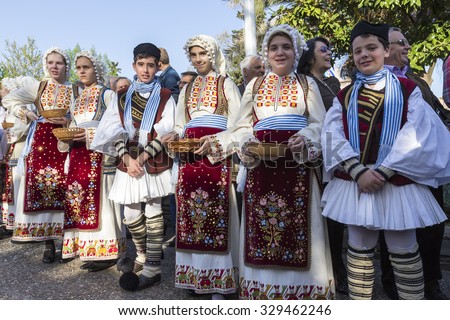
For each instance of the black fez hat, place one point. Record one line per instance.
(149, 48)
(363, 27)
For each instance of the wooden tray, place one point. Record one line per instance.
(267, 150)
(54, 113)
(184, 145)
(7, 125)
(66, 134)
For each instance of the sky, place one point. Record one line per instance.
(116, 27)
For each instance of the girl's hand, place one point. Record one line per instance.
(59, 120)
(80, 137)
(171, 136)
(205, 148)
(296, 143)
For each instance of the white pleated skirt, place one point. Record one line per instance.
(128, 190)
(393, 207)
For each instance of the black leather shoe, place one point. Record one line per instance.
(61, 260)
(99, 266)
(145, 282)
(86, 266)
(434, 292)
(391, 292)
(49, 255)
(342, 287)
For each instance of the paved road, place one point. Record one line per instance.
(24, 277)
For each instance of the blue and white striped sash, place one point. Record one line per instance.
(282, 122)
(208, 121)
(393, 107)
(150, 110)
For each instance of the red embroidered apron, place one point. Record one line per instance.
(83, 197)
(277, 210)
(202, 201)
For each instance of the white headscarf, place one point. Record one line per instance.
(18, 82)
(47, 75)
(298, 42)
(99, 67)
(214, 53)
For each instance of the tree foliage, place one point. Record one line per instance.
(26, 60)
(21, 60)
(426, 24)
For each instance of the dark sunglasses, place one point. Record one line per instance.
(401, 42)
(325, 49)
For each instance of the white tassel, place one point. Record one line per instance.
(241, 178)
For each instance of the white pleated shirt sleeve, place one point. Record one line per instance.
(316, 111)
(421, 150)
(335, 146)
(222, 143)
(167, 122)
(18, 99)
(109, 130)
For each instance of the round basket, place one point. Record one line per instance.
(7, 125)
(66, 134)
(184, 145)
(267, 150)
(54, 113)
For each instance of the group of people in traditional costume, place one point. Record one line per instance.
(278, 248)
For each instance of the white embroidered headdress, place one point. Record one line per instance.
(44, 62)
(214, 53)
(298, 42)
(99, 67)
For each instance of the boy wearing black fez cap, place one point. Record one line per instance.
(379, 156)
(143, 112)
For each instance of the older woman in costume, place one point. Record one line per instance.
(92, 224)
(40, 215)
(207, 217)
(284, 245)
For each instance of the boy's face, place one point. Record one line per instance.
(369, 54)
(200, 60)
(146, 68)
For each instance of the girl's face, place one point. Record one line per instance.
(146, 69)
(200, 60)
(86, 72)
(281, 55)
(56, 67)
(369, 54)
(322, 56)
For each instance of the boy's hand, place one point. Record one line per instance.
(370, 181)
(134, 169)
(80, 137)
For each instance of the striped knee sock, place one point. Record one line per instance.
(155, 235)
(361, 273)
(408, 274)
(138, 233)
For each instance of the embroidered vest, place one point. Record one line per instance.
(161, 161)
